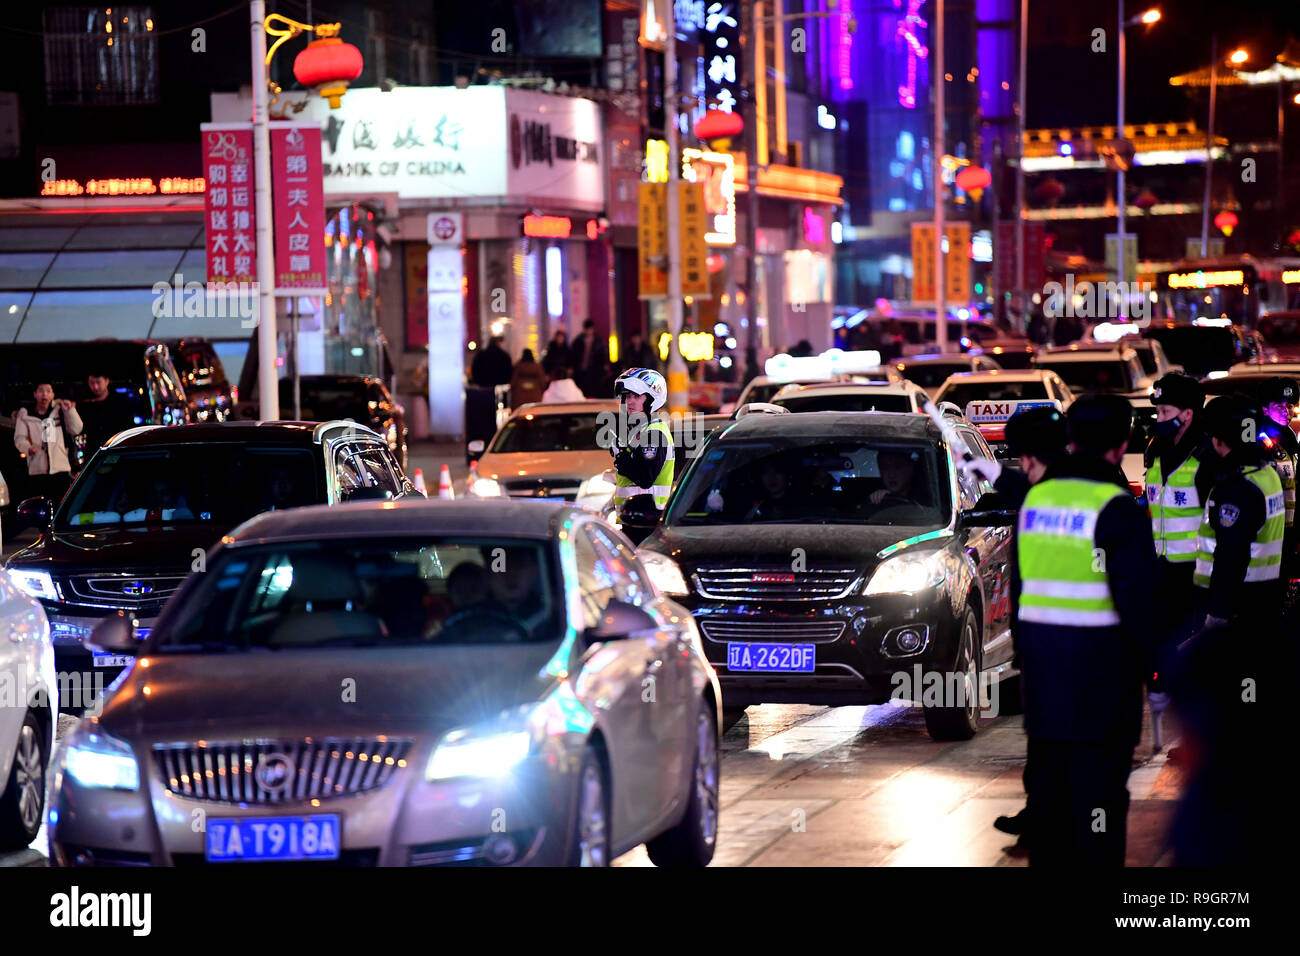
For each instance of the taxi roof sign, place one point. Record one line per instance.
(987, 412)
(826, 366)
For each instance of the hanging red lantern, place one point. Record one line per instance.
(716, 124)
(1226, 221)
(973, 178)
(328, 65)
(1050, 191)
(1145, 200)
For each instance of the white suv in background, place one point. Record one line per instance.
(852, 397)
(28, 705)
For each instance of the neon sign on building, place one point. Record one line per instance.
(916, 51)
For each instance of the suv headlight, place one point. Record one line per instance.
(664, 573)
(486, 488)
(907, 573)
(37, 584)
(96, 759)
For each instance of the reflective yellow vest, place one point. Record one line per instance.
(1062, 580)
(663, 483)
(1176, 510)
(1266, 549)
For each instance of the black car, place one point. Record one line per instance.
(842, 558)
(357, 397)
(1202, 349)
(143, 513)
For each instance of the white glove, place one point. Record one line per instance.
(714, 501)
(985, 468)
(1159, 702)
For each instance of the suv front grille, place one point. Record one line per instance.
(123, 590)
(774, 583)
(311, 768)
(777, 631)
(566, 488)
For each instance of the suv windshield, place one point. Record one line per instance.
(1199, 349)
(1107, 375)
(540, 433)
(224, 483)
(314, 594)
(992, 391)
(855, 402)
(822, 481)
(323, 401)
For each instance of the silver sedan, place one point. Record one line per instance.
(396, 684)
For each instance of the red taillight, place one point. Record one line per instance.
(993, 432)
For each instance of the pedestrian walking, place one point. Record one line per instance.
(590, 360)
(563, 388)
(1087, 627)
(43, 437)
(528, 382)
(492, 365)
(103, 414)
(558, 353)
(638, 353)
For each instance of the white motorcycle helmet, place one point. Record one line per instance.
(643, 381)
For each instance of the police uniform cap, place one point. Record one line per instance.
(1178, 390)
(1283, 390)
(1036, 431)
(1227, 418)
(1098, 423)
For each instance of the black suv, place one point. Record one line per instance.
(144, 511)
(842, 558)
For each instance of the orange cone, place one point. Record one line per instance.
(444, 484)
(419, 482)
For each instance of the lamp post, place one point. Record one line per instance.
(268, 389)
(940, 313)
(1121, 165)
(1020, 168)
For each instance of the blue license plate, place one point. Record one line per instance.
(257, 839)
(780, 658)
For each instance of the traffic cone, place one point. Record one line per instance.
(419, 482)
(444, 484)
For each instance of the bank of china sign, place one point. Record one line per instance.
(443, 143)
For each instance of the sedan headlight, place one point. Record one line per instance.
(664, 572)
(907, 573)
(486, 488)
(38, 584)
(464, 753)
(96, 759)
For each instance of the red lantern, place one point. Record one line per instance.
(716, 124)
(1050, 191)
(328, 65)
(1145, 200)
(1226, 221)
(973, 178)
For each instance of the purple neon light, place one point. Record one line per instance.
(907, 28)
(844, 46)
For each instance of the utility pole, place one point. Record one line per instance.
(268, 391)
(1120, 186)
(1209, 147)
(678, 382)
(940, 313)
(752, 37)
(1020, 167)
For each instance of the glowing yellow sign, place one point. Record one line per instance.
(656, 161)
(1206, 280)
(694, 346)
(1291, 276)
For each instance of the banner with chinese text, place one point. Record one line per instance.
(298, 195)
(228, 203)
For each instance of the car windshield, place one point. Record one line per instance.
(541, 433)
(224, 483)
(820, 480)
(933, 374)
(962, 395)
(322, 401)
(1100, 376)
(370, 593)
(1199, 349)
(855, 402)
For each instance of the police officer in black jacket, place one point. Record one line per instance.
(1086, 633)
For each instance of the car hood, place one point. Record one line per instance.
(552, 464)
(822, 544)
(119, 548)
(326, 691)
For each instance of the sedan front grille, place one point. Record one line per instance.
(774, 584)
(123, 590)
(293, 770)
(566, 488)
(819, 632)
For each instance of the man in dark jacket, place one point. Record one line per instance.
(492, 366)
(638, 353)
(103, 414)
(590, 361)
(1087, 627)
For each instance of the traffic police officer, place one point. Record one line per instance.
(643, 464)
(1087, 627)
(1279, 397)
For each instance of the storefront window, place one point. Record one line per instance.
(350, 321)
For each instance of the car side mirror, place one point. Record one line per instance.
(618, 621)
(35, 513)
(990, 511)
(373, 493)
(115, 634)
(474, 450)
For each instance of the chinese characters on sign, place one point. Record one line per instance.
(724, 71)
(694, 248)
(956, 263)
(299, 196)
(716, 172)
(168, 185)
(228, 202)
(652, 240)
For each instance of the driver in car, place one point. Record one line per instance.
(515, 585)
(778, 502)
(897, 473)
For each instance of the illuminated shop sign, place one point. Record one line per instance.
(717, 172)
(559, 227)
(1206, 280)
(168, 186)
(1291, 276)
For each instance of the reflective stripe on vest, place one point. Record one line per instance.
(1285, 469)
(1175, 510)
(1062, 580)
(663, 483)
(1266, 550)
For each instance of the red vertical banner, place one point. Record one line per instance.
(298, 195)
(228, 203)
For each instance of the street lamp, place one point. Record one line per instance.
(1148, 18)
(1237, 58)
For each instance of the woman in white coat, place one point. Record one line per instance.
(40, 437)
